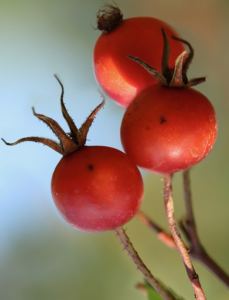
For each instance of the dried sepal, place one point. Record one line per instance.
(83, 131)
(108, 18)
(172, 77)
(177, 80)
(196, 81)
(154, 73)
(67, 143)
(190, 55)
(48, 142)
(73, 129)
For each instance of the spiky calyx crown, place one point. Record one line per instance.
(108, 18)
(172, 77)
(68, 142)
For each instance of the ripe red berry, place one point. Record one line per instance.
(119, 77)
(169, 127)
(167, 130)
(95, 188)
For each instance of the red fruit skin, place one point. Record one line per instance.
(121, 78)
(166, 130)
(97, 188)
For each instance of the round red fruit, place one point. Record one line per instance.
(166, 130)
(97, 188)
(121, 78)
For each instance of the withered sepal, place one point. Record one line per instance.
(68, 143)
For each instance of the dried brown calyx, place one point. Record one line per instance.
(172, 77)
(68, 142)
(108, 18)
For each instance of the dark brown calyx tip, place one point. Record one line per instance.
(68, 142)
(108, 18)
(172, 77)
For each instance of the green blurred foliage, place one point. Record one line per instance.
(153, 295)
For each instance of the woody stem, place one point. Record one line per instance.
(169, 209)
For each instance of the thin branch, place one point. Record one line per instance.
(169, 209)
(189, 228)
(140, 265)
(190, 224)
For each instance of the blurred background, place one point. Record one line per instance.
(41, 257)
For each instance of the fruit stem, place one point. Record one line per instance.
(121, 233)
(189, 228)
(169, 209)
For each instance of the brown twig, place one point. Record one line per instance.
(202, 256)
(169, 209)
(189, 225)
(140, 265)
(189, 228)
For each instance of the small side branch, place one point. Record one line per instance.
(140, 265)
(169, 209)
(189, 228)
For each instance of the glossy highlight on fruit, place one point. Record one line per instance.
(97, 188)
(166, 130)
(121, 78)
